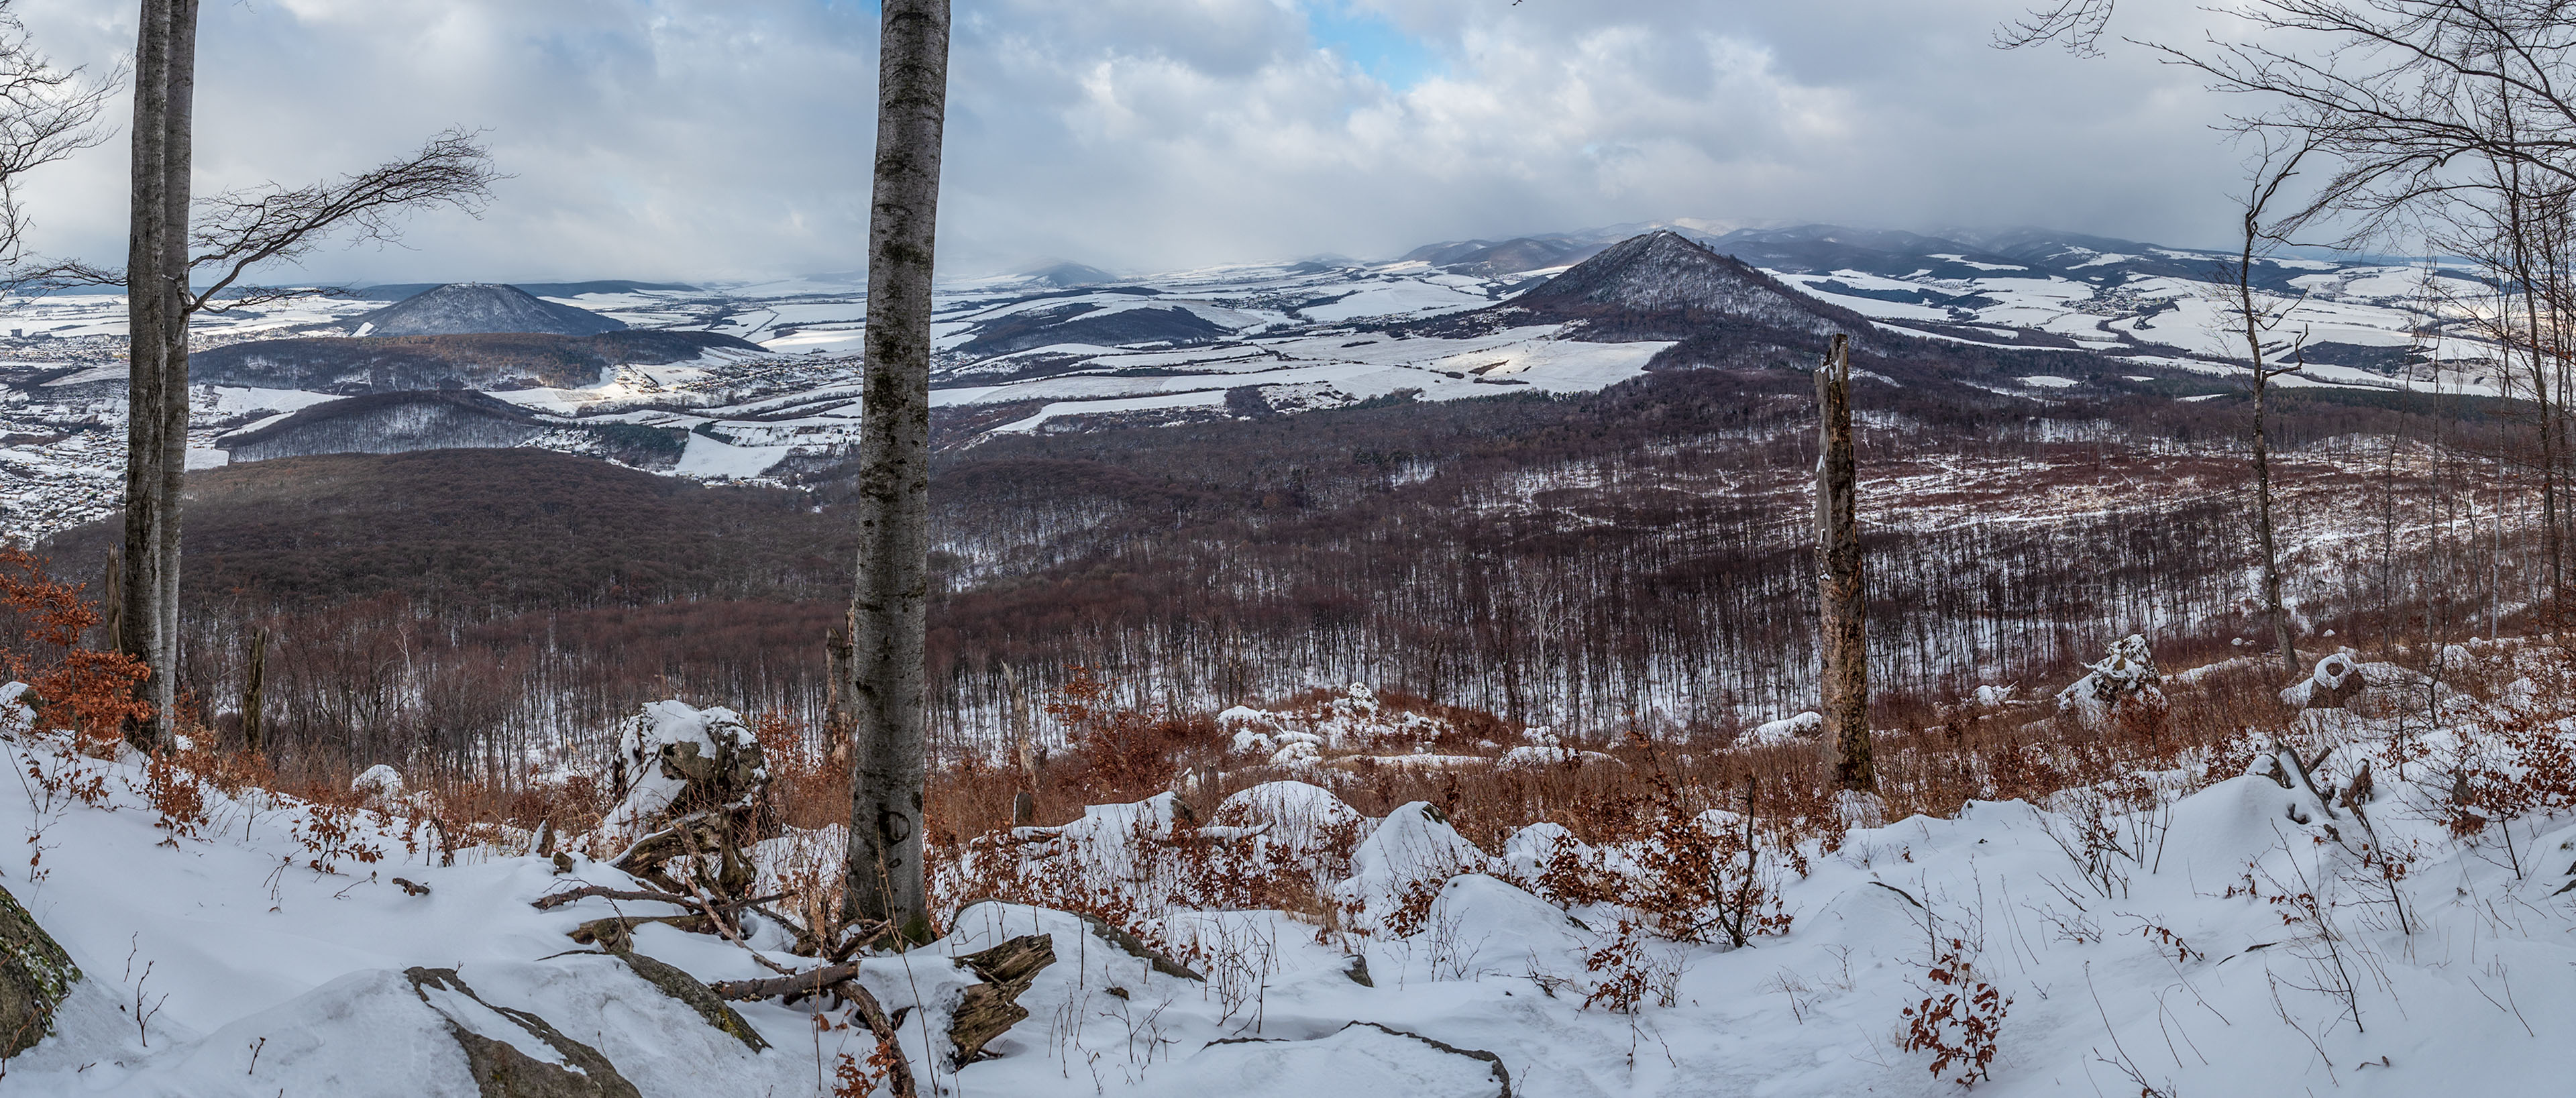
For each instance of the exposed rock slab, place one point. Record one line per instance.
(515, 1054)
(35, 975)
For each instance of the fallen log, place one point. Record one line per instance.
(836, 979)
(797, 986)
(552, 900)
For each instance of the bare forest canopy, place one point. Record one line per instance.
(1638, 554)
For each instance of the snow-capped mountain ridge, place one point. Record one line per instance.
(464, 308)
(1021, 353)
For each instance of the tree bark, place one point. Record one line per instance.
(2263, 528)
(254, 692)
(157, 354)
(890, 601)
(1844, 631)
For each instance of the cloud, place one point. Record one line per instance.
(732, 138)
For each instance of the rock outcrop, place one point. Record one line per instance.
(497, 1042)
(35, 975)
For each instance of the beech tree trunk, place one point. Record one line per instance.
(2281, 638)
(1845, 631)
(889, 605)
(255, 692)
(165, 61)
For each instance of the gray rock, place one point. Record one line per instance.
(35, 975)
(686, 988)
(501, 1070)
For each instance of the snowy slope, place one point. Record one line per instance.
(2196, 931)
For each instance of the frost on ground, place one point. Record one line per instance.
(2378, 902)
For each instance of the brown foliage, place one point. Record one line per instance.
(84, 691)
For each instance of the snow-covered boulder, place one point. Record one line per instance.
(2123, 690)
(1531, 850)
(1804, 726)
(2333, 681)
(15, 717)
(1403, 863)
(677, 759)
(1487, 926)
(1303, 819)
(379, 787)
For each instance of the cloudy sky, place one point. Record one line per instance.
(705, 139)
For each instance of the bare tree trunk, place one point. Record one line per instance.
(254, 692)
(1024, 751)
(889, 741)
(157, 355)
(1844, 632)
(111, 600)
(2263, 529)
(837, 711)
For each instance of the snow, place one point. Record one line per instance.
(1413, 847)
(2049, 381)
(710, 459)
(1806, 725)
(1359, 1059)
(2197, 936)
(666, 729)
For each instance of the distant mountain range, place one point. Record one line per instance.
(761, 380)
(396, 291)
(1891, 253)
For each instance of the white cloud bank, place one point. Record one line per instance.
(715, 138)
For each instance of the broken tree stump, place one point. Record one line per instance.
(991, 1008)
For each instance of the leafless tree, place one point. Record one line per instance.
(234, 232)
(156, 276)
(2406, 94)
(46, 114)
(890, 603)
(2255, 319)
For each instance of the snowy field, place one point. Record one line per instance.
(1297, 336)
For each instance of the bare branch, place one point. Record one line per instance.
(2074, 24)
(238, 230)
(46, 114)
(2410, 95)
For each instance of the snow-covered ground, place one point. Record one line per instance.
(1298, 335)
(2386, 913)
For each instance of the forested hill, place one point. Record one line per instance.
(1562, 559)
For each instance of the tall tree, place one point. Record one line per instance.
(2254, 320)
(156, 276)
(889, 604)
(238, 230)
(1844, 635)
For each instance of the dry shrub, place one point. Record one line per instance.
(809, 783)
(1960, 1021)
(71, 688)
(2510, 767)
(1116, 753)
